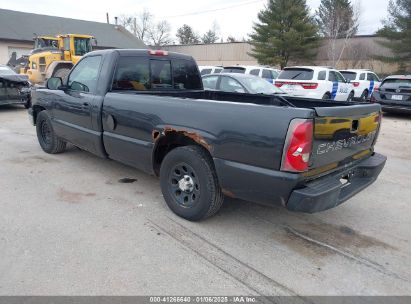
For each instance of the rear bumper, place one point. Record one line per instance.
(328, 192)
(395, 108)
(273, 187)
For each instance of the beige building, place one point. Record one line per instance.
(358, 53)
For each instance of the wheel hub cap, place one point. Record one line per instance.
(186, 184)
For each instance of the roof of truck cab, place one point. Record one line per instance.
(141, 52)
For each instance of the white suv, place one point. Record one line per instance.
(268, 74)
(315, 82)
(364, 82)
(208, 69)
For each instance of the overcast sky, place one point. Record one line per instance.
(234, 17)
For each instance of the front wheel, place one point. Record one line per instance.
(326, 96)
(364, 96)
(189, 183)
(48, 140)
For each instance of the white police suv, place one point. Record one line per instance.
(209, 69)
(268, 74)
(364, 82)
(315, 82)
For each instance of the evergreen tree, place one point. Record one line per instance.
(210, 37)
(397, 31)
(336, 18)
(186, 35)
(285, 31)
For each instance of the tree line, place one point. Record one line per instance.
(285, 30)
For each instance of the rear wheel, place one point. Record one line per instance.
(48, 140)
(350, 97)
(189, 183)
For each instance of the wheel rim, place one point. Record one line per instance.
(46, 133)
(183, 185)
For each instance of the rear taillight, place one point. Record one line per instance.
(158, 53)
(305, 85)
(355, 84)
(376, 88)
(298, 146)
(309, 86)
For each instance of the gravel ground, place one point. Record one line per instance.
(69, 225)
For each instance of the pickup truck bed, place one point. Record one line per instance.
(307, 156)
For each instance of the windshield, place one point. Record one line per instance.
(257, 85)
(82, 46)
(297, 74)
(397, 82)
(4, 70)
(349, 75)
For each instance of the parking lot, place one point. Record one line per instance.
(75, 224)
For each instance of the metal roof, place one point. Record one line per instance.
(22, 26)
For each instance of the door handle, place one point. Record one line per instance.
(86, 104)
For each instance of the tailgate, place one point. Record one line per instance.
(343, 134)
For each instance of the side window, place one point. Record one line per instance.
(229, 84)
(362, 76)
(132, 73)
(67, 44)
(372, 76)
(161, 74)
(185, 75)
(322, 75)
(332, 77)
(85, 75)
(267, 74)
(205, 71)
(340, 78)
(210, 82)
(218, 71)
(255, 72)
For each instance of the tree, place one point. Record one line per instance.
(231, 39)
(397, 31)
(285, 31)
(211, 36)
(160, 33)
(335, 18)
(138, 25)
(144, 27)
(186, 35)
(338, 21)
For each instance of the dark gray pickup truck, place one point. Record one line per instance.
(148, 109)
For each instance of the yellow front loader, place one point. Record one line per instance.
(55, 56)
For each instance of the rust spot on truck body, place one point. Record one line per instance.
(192, 135)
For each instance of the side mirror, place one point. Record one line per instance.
(54, 83)
(77, 86)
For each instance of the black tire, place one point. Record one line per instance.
(48, 141)
(364, 96)
(62, 73)
(326, 96)
(204, 198)
(27, 104)
(350, 97)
